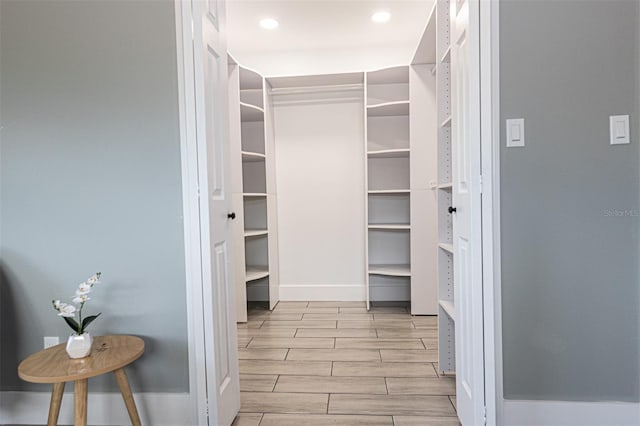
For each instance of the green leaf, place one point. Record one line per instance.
(88, 320)
(72, 323)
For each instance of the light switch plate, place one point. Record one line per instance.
(619, 129)
(515, 132)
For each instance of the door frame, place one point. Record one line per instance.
(490, 184)
(194, 237)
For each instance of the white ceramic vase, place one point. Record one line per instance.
(79, 346)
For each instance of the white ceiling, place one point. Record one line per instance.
(338, 33)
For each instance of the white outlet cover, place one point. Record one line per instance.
(51, 341)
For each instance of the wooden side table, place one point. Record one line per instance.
(109, 354)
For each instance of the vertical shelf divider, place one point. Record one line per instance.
(253, 189)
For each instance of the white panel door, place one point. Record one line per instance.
(467, 236)
(211, 77)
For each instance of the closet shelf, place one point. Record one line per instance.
(388, 109)
(446, 122)
(256, 272)
(449, 308)
(392, 226)
(390, 270)
(446, 57)
(249, 113)
(249, 79)
(393, 75)
(389, 153)
(389, 191)
(254, 194)
(250, 157)
(255, 232)
(446, 247)
(252, 98)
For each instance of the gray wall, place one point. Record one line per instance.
(90, 180)
(569, 263)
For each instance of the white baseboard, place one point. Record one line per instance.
(561, 413)
(322, 292)
(166, 409)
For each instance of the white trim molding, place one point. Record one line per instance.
(490, 149)
(158, 409)
(554, 413)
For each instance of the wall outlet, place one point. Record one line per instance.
(51, 341)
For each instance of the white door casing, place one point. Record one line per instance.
(467, 236)
(212, 133)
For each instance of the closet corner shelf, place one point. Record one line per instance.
(449, 308)
(446, 122)
(254, 194)
(389, 191)
(447, 186)
(446, 247)
(250, 157)
(389, 153)
(256, 272)
(249, 113)
(388, 109)
(446, 57)
(255, 232)
(390, 270)
(392, 226)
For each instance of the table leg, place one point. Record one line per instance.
(125, 389)
(80, 402)
(56, 401)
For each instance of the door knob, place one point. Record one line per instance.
(231, 215)
(452, 210)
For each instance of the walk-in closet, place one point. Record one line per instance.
(342, 185)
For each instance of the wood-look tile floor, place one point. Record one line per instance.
(335, 363)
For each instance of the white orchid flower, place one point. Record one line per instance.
(81, 298)
(83, 288)
(73, 313)
(67, 310)
(93, 280)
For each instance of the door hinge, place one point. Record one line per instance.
(480, 184)
(484, 416)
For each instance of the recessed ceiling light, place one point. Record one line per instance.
(269, 23)
(381, 16)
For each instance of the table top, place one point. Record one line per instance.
(108, 353)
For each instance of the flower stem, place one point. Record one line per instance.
(80, 319)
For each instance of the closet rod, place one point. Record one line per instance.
(317, 89)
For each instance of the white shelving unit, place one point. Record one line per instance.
(388, 152)
(400, 170)
(446, 255)
(252, 187)
(399, 164)
(405, 179)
